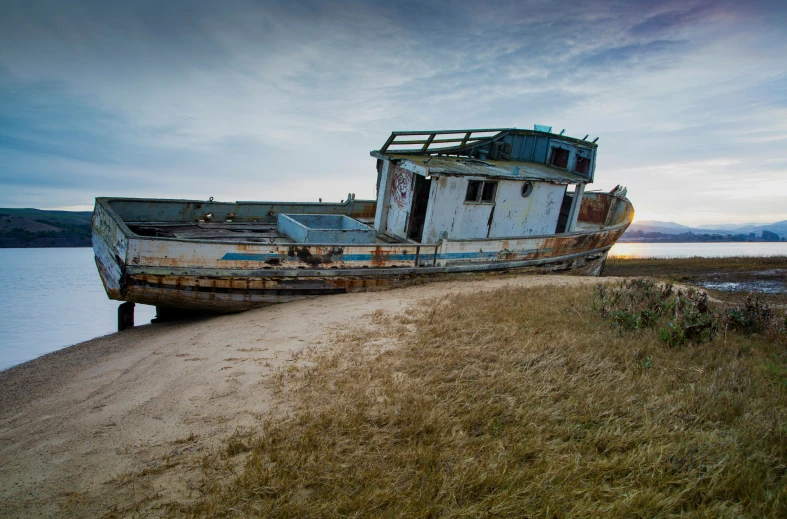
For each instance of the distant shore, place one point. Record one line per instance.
(28, 228)
(44, 243)
(678, 240)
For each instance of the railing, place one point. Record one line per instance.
(429, 141)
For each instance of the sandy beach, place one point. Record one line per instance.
(75, 423)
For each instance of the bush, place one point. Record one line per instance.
(684, 316)
(753, 317)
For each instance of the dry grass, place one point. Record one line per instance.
(677, 267)
(515, 403)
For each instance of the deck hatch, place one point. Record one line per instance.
(324, 228)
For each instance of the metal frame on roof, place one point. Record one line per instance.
(425, 142)
(430, 138)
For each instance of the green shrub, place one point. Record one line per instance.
(753, 317)
(683, 316)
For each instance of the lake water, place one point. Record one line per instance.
(705, 250)
(52, 298)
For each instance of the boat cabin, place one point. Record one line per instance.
(478, 184)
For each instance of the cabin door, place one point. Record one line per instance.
(418, 210)
(565, 210)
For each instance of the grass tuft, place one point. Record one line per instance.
(191, 438)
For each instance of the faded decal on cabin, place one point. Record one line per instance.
(402, 188)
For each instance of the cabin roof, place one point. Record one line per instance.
(463, 142)
(499, 169)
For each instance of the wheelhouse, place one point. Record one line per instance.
(472, 184)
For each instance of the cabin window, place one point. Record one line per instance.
(559, 158)
(527, 189)
(488, 194)
(473, 190)
(479, 191)
(583, 165)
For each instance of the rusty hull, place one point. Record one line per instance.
(230, 276)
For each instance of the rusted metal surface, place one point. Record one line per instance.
(594, 208)
(223, 294)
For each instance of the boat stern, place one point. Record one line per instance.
(110, 245)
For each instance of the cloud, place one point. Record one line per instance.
(677, 16)
(284, 100)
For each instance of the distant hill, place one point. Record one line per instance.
(779, 228)
(734, 226)
(653, 230)
(656, 226)
(41, 228)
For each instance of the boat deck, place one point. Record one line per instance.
(238, 232)
(251, 232)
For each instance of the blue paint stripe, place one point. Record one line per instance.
(239, 256)
(467, 255)
(486, 255)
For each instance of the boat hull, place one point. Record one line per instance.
(234, 291)
(220, 276)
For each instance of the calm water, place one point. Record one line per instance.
(707, 250)
(52, 298)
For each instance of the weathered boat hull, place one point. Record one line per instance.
(231, 276)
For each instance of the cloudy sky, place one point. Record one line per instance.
(245, 100)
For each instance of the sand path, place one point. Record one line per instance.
(75, 423)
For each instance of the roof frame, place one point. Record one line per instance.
(429, 138)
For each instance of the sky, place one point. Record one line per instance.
(243, 100)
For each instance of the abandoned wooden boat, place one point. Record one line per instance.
(447, 202)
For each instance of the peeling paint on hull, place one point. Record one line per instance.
(228, 293)
(231, 276)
